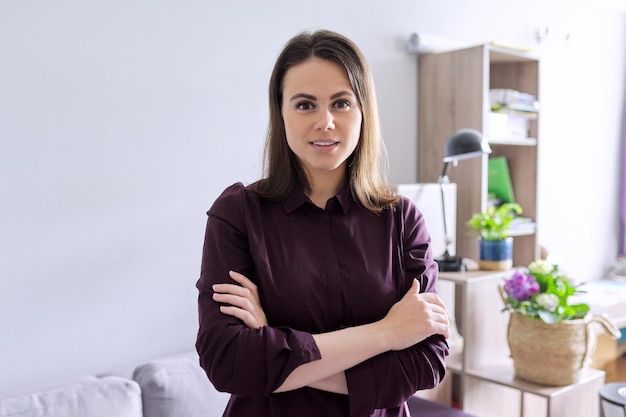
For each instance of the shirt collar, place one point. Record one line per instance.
(297, 198)
(345, 198)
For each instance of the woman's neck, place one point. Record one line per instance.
(324, 187)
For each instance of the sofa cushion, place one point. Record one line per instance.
(91, 397)
(178, 386)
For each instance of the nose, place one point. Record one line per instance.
(325, 120)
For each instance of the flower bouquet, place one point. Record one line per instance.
(541, 292)
(551, 341)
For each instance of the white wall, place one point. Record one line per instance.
(583, 91)
(121, 121)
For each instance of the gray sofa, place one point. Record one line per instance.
(90, 397)
(171, 387)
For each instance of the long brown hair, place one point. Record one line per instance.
(282, 169)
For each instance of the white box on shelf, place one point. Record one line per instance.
(507, 126)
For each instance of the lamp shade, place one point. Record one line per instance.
(465, 144)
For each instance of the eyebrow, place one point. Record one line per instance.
(313, 98)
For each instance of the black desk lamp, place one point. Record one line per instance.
(464, 144)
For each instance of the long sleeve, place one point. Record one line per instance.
(239, 360)
(391, 378)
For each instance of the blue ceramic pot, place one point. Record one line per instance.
(495, 254)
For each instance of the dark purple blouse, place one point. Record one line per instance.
(317, 271)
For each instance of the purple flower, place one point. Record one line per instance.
(521, 286)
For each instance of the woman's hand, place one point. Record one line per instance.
(243, 300)
(414, 318)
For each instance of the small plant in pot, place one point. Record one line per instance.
(495, 246)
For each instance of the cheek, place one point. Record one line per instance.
(357, 125)
(296, 127)
(292, 133)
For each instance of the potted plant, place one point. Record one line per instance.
(495, 246)
(550, 337)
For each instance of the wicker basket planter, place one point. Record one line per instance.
(554, 354)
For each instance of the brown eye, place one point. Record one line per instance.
(304, 105)
(342, 104)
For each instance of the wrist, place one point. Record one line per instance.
(380, 336)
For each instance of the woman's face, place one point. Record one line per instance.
(322, 116)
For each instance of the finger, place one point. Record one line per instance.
(243, 315)
(441, 325)
(243, 280)
(437, 306)
(413, 290)
(442, 318)
(436, 324)
(444, 330)
(433, 298)
(240, 278)
(234, 300)
(237, 276)
(231, 289)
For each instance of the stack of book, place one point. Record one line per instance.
(510, 113)
(505, 100)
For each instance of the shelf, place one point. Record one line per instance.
(518, 233)
(514, 141)
(528, 115)
(454, 91)
(471, 277)
(503, 54)
(521, 398)
(522, 232)
(504, 374)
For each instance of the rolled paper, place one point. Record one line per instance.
(424, 42)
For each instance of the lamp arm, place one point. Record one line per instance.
(444, 180)
(444, 173)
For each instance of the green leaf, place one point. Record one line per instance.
(494, 223)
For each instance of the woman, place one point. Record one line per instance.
(317, 289)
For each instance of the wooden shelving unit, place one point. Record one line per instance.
(453, 94)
